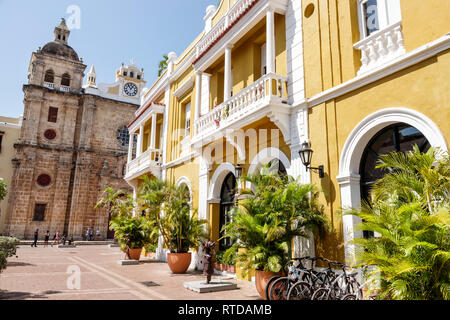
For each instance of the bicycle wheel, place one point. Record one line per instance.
(269, 285)
(321, 294)
(279, 289)
(354, 288)
(349, 297)
(300, 291)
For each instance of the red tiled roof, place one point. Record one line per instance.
(226, 30)
(145, 109)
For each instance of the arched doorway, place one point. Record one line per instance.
(399, 137)
(227, 202)
(350, 160)
(278, 166)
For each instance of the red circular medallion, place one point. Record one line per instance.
(50, 134)
(44, 180)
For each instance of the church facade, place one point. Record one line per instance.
(72, 144)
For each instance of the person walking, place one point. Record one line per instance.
(36, 236)
(56, 238)
(88, 232)
(47, 237)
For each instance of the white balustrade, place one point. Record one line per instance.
(381, 47)
(230, 18)
(151, 157)
(49, 85)
(267, 89)
(64, 88)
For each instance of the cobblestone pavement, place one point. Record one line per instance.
(42, 273)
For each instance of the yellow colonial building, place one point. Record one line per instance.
(266, 77)
(9, 133)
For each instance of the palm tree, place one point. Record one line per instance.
(118, 202)
(410, 259)
(162, 65)
(170, 209)
(277, 209)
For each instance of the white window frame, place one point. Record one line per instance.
(187, 118)
(388, 13)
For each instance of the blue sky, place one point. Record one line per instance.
(111, 32)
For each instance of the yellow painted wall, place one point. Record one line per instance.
(329, 34)
(428, 91)
(424, 21)
(7, 153)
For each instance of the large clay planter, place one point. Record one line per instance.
(135, 254)
(179, 262)
(261, 279)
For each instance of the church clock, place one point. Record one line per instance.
(130, 89)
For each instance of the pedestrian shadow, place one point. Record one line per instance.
(20, 264)
(12, 295)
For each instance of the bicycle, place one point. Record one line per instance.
(278, 287)
(343, 287)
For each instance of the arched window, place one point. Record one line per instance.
(227, 202)
(49, 76)
(123, 136)
(399, 137)
(65, 80)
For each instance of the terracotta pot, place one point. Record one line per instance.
(135, 254)
(179, 262)
(231, 269)
(261, 279)
(218, 266)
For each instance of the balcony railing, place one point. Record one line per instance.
(271, 88)
(236, 11)
(64, 88)
(150, 158)
(380, 47)
(49, 85)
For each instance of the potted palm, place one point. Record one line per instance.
(135, 232)
(274, 211)
(168, 207)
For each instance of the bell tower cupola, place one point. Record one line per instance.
(62, 32)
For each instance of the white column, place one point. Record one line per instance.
(130, 148)
(227, 75)
(153, 134)
(140, 140)
(350, 198)
(206, 88)
(270, 40)
(198, 93)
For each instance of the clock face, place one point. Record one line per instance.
(130, 89)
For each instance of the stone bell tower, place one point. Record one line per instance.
(45, 149)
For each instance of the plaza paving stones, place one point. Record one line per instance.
(47, 274)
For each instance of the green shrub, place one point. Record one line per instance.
(276, 210)
(410, 259)
(138, 229)
(8, 247)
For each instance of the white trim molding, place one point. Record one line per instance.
(267, 155)
(349, 163)
(219, 175)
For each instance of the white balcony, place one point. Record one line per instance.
(235, 24)
(64, 88)
(149, 161)
(49, 85)
(265, 97)
(381, 47)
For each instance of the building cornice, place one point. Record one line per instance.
(402, 62)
